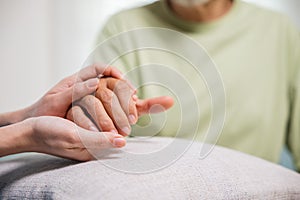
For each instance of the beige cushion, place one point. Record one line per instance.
(180, 173)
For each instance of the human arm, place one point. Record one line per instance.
(55, 136)
(57, 100)
(26, 130)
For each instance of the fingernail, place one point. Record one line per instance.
(92, 82)
(135, 97)
(119, 142)
(126, 130)
(131, 119)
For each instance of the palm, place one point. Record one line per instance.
(61, 137)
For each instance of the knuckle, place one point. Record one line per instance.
(121, 121)
(106, 124)
(132, 109)
(89, 99)
(70, 115)
(98, 92)
(122, 86)
(75, 110)
(106, 96)
(103, 82)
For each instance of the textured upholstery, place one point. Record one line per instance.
(223, 174)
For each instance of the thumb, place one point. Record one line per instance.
(154, 105)
(100, 140)
(81, 89)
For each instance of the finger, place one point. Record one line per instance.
(80, 90)
(90, 72)
(96, 70)
(135, 97)
(65, 97)
(114, 110)
(100, 140)
(154, 105)
(125, 93)
(130, 84)
(97, 112)
(112, 72)
(77, 115)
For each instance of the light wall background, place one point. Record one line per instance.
(42, 41)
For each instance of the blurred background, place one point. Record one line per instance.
(42, 41)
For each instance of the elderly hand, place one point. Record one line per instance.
(114, 107)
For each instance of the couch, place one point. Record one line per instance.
(148, 168)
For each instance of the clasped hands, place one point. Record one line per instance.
(113, 108)
(81, 112)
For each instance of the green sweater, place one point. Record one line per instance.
(257, 53)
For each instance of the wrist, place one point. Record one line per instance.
(16, 138)
(14, 117)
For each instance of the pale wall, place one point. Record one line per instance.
(41, 41)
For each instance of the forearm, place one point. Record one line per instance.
(15, 138)
(14, 117)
